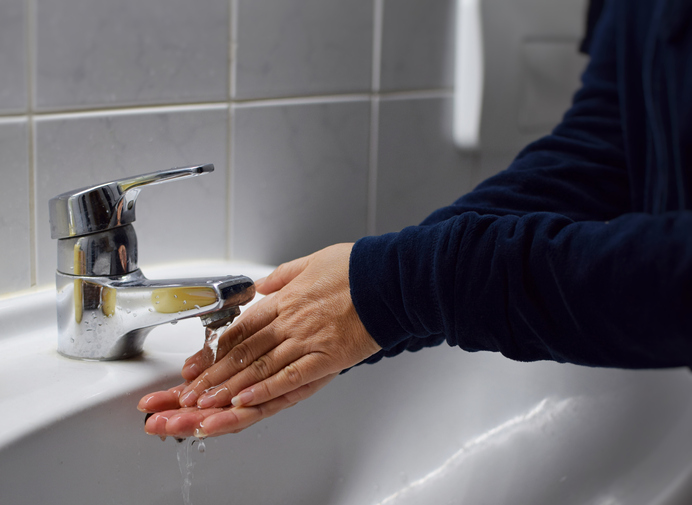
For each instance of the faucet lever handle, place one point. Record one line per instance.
(162, 176)
(108, 205)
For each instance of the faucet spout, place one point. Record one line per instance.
(102, 318)
(106, 306)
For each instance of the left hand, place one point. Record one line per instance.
(280, 351)
(169, 419)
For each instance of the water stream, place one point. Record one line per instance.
(186, 463)
(211, 340)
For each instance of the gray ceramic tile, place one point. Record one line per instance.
(551, 71)
(15, 265)
(492, 162)
(419, 168)
(180, 220)
(511, 25)
(303, 47)
(13, 89)
(131, 52)
(300, 178)
(417, 44)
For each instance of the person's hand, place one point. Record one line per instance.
(280, 351)
(167, 418)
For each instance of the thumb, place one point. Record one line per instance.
(284, 274)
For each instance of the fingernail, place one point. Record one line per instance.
(142, 406)
(199, 432)
(242, 399)
(189, 398)
(191, 366)
(259, 282)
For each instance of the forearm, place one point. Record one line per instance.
(535, 287)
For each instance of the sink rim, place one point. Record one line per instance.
(65, 386)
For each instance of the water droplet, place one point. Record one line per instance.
(197, 307)
(157, 296)
(175, 296)
(184, 302)
(174, 322)
(157, 303)
(72, 340)
(134, 314)
(151, 310)
(128, 311)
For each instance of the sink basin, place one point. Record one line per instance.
(435, 427)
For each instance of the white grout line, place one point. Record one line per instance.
(232, 44)
(233, 48)
(378, 21)
(15, 119)
(229, 188)
(306, 100)
(125, 111)
(241, 104)
(30, 10)
(417, 94)
(372, 159)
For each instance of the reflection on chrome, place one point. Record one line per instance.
(536, 419)
(106, 306)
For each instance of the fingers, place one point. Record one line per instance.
(194, 365)
(307, 369)
(188, 422)
(161, 400)
(180, 423)
(234, 420)
(266, 365)
(202, 360)
(242, 344)
(284, 274)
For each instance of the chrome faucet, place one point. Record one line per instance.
(106, 306)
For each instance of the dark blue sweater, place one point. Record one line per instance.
(581, 251)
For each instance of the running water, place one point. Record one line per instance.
(211, 339)
(186, 463)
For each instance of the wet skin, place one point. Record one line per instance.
(281, 350)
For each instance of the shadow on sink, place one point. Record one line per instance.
(440, 426)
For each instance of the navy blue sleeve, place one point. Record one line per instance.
(579, 170)
(545, 260)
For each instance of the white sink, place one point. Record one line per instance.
(437, 427)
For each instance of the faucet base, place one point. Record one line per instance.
(108, 318)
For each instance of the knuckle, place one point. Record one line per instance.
(262, 367)
(240, 355)
(262, 391)
(243, 329)
(293, 375)
(203, 382)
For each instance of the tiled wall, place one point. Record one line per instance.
(326, 120)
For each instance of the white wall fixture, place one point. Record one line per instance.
(468, 88)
